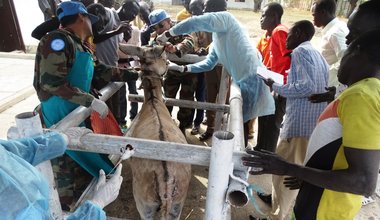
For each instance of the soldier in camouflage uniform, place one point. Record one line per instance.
(64, 69)
(179, 45)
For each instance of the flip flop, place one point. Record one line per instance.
(367, 200)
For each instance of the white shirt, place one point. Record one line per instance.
(333, 45)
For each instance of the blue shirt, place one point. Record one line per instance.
(232, 48)
(308, 75)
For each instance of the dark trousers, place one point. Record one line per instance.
(123, 103)
(200, 95)
(269, 126)
(188, 83)
(212, 80)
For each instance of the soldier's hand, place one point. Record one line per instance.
(163, 38)
(100, 107)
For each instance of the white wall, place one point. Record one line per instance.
(29, 16)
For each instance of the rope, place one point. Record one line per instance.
(254, 188)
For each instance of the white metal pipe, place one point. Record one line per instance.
(77, 116)
(185, 103)
(220, 165)
(237, 194)
(29, 124)
(151, 149)
(235, 124)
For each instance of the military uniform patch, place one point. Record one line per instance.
(57, 44)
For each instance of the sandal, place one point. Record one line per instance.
(205, 136)
(367, 200)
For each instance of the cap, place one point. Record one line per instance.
(156, 16)
(72, 8)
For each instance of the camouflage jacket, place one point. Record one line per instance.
(52, 66)
(184, 44)
(202, 41)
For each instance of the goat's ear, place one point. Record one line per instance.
(131, 50)
(158, 50)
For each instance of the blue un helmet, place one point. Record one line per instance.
(156, 16)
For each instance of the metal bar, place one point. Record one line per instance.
(151, 149)
(237, 194)
(29, 125)
(77, 116)
(235, 123)
(220, 166)
(185, 103)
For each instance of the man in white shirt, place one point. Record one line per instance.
(333, 44)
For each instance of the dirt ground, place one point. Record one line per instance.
(194, 209)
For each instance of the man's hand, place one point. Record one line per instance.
(269, 82)
(265, 162)
(163, 38)
(202, 51)
(292, 183)
(124, 27)
(328, 96)
(170, 47)
(100, 107)
(175, 67)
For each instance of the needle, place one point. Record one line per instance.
(127, 152)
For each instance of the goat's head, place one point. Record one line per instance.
(152, 59)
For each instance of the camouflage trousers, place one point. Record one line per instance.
(188, 82)
(71, 180)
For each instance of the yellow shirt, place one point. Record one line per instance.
(352, 120)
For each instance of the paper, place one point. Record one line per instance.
(264, 73)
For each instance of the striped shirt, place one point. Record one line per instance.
(308, 75)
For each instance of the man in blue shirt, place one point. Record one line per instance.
(308, 75)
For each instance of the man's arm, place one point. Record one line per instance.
(208, 22)
(205, 65)
(37, 149)
(108, 73)
(303, 86)
(122, 28)
(358, 178)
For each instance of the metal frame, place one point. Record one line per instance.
(227, 145)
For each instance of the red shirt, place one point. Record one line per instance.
(275, 55)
